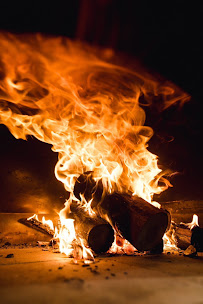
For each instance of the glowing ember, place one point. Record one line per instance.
(88, 109)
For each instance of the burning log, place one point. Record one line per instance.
(34, 223)
(95, 232)
(142, 224)
(182, 235)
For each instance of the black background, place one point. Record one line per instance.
(166, 37)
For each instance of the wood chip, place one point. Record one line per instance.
(191, 251)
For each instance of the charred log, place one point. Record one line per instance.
(37, 225)
(142, 224)
(95, 232)
(182, 235)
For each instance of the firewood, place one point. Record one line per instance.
(37, 225)
(139, 222)
(191, 251)
(95, 231)
(182, 235)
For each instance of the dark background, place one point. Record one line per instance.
(166, 38)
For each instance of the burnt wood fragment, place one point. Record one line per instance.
(182, 235)
(191, 251)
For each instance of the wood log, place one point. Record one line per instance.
(95, 231)
(139, 222)
(37, 225)
(182, 235)
(191, 251)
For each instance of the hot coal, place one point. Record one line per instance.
(185, 237)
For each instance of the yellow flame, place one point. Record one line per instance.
(48, 223)
(87, 205)
(66, 235)
(193, 223)
(87, 253)
(169, 242)
(35, 217)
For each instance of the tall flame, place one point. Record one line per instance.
(85, 107)
(88, 108)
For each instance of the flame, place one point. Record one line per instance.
(48, 222)
(193, 223)
(87, 253)
(88, 108)
(87, 205)
(121, 246)
(34, 216)
(169, 242)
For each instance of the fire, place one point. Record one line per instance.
(193, 223)
(49, 223)
(88, 108)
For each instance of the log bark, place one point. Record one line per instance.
(95, 231)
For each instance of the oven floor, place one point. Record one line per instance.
(33, 275)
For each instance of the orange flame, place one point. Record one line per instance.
(72, 97)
